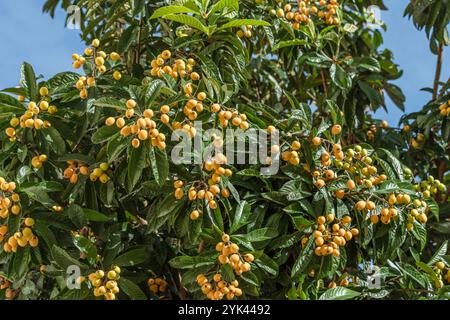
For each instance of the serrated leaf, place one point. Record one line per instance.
(131, 289)
(188, 21)
(28, 81)
(63, 259)
(243, 22)
(339, 293)
(161, 12)
(187, 262)
(132, 257)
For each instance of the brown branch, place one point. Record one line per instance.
(437, 76)
(324, 83)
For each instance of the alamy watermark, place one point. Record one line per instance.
(373, 277)
(374, 21)
(73, 277)
(73, 17)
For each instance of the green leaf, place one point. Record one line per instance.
(127, 37)
(396, 95)
(227, 273)
(394, 162)
(164, 209)
(115, 146)
(159, 164)
(233, 5)
(241, 216)
(92, 215)
(132, 257)
(187, 262)
(420, 233)
(87, 247)
(161, 12)
(243, 22)
(340, 77)
(38, 194)
(303, 259)
(188, 21)
(339, 293)
(64, 260)
(107, 102)
(260, 234)
(131, 289)
(136, 164)
(28, 81)
(76, 215)
(10, 104)
(289, 43)
(55, 140)
(44, 232)
(267, 264)
(104, 133)
(153, 90)
(368, 63)
(374, 96)
(437, 256)
(77, 157)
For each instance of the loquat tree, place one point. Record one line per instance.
(90, 186)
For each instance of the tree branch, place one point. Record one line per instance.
(437, 76)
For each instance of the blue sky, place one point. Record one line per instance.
(29, 35)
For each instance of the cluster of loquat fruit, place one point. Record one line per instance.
(9, 200)
(30, 119)
(344, 281)
(208, 191)
(100, 173)
(292, 156)
(5, 285)
(439, 269)
(387, 213)
(195, 104)
(105, 284)
(417, 211)
(143, 127)
(37, 161)
(179, 69)
(74, 169)
(444, 109)
(232, 116)
(218, 288)
(21, 238)
(307, 9)
(373, 129)
(229, 254)
(372, 132)
(441, 274)
(358, 165)
(245, 32)
(192, 108)
(430, 187)
(157, 285)
(97, 58)
(418, 141)
(3, 232)
(330, 234)
(57, 208)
